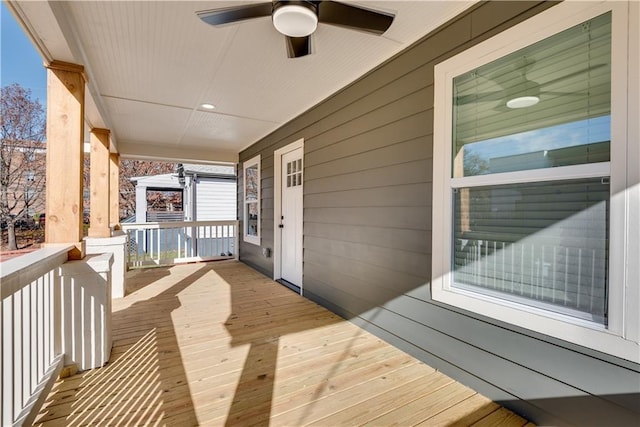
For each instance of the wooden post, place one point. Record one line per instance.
(114, 190)
(65, 139)
(99, 186)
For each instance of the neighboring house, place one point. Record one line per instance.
(208, 193)
(24, 165)
(467, 201)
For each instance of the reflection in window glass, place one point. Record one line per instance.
(251, 214)
(252, 219)
(569, 77)
(251, 185)
(541, 244)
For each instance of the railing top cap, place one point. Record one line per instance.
(174, 224)
(21, 270)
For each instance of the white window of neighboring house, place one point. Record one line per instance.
(530, 149)
(252, 200)
(31, 176)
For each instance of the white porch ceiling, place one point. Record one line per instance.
(151, 64)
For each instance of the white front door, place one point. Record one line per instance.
(290, 224)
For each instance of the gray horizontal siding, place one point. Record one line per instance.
(367, 239)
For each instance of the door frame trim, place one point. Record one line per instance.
(277, 203)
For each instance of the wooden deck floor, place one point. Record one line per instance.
(220, 344)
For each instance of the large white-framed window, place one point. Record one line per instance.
(531, 219)
(251, 174)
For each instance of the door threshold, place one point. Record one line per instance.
(294, 288)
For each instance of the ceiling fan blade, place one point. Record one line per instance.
(298, 46)
(573, 74)
(229, 15)
(352, 17)
(482, 97)
(551, 93)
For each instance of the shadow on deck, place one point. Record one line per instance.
(221, 344)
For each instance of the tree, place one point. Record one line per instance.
(475, 164)
(23, 159)
(131, 168)
(128, 169)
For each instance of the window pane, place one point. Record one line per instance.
(540, 244)
(251, 183)
(569, 74)
(252, 219)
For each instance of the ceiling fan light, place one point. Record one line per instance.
(295, 20)
(523, 101)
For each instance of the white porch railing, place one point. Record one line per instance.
(53, 312)
(162, 243)
(30, 323)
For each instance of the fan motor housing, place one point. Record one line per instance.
(295, 18)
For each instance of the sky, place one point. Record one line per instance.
(19, 60)
(571, 134)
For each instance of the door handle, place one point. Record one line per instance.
(280, 225)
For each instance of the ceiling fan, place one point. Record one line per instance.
(297, 20)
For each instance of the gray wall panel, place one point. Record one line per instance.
(397, 216)
(394, 154)
(367, 239)
(399, 195)
(405, 129)
(358, 296)
(393, 260)
(394, 238)
(416, 171)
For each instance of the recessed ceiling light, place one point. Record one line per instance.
(208, 106)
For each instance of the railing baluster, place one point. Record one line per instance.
(2, 382)
(216, 229)
(593, 278)
(45, 316)
(27, 326)
(8, 360)
(33, 354)
(17, 352)
(503, 263)
(554, 275)
(522, 269)
(579, 277)
(566, 274)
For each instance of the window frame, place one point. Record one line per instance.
(620, 336)
(253, 162)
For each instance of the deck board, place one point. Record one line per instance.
(220, 344)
